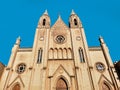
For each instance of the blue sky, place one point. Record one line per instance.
(20, 18)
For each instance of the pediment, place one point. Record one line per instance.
(59, 25)
(61, 70)
(18, 79)
(103, 78)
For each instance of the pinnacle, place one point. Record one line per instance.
(100, 37)
(72, 12)
(46, 12)
(59, 17)
(19, 38)
(59, 22)
(18, 41)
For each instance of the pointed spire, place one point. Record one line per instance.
(46, 12)
(100, 36)
(101, 39)
(59, 22)
(18, 41)
(59, 17)
(19, 38)
(72, 12)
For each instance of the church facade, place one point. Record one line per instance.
(60, 59)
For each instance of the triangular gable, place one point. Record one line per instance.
(17, 79)
(61, 69)
(60, 24)
(103, 78)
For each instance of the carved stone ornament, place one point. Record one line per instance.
(60, 39)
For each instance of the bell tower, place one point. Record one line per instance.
(79, 42)
(74, 21)
(41, 40)
(80, 49)
(44, 21)
(40, 51)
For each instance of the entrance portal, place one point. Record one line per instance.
(61, 84)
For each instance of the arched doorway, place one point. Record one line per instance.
(61, 84)
(16, 87)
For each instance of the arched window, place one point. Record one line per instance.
(60, 53)
(69, 53)
(65, 53)
(39, 55)
(75, 22)
(61, 85)
(55, 53)
(105, 86)
(44, 22)
(82, 60)
(51, 53)
(16, 87)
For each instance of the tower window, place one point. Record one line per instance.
(69, 25)
(75, 22)
(39, 55)
(82, 60)
(44, 22)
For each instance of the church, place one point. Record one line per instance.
(60, 59)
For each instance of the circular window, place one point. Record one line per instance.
(60, 39)
(21, 68)
(100, 67)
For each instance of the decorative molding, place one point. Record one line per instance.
(104, 78)
(25, 50)
(95, 48)
(50, 76)
(90, 67)
(60, 68)
(8, 68)
(78, 38)
(30, 68)
(61, 59)
(54, 54)
(41, 38)
(15, 80)
(44, 68)
(76, 67)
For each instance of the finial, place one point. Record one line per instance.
(19, 38)
(59, 17)
(46, 12)
(101, 39)
(100, 36)
(18, 41)
(72, 12)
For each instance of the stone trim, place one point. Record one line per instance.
(95, 48)
(25, 50)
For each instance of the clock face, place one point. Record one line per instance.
(60, 39)
(100, 67)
